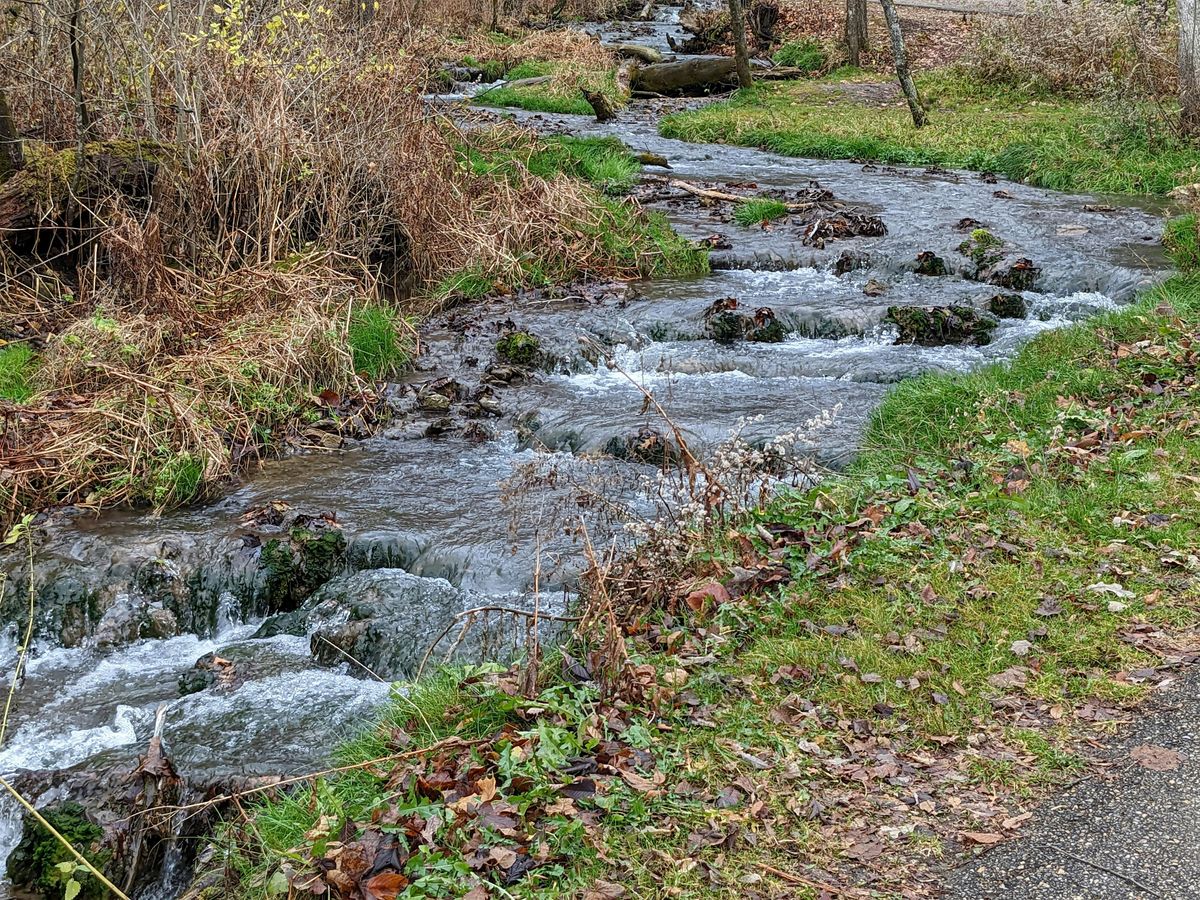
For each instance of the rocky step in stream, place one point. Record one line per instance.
(250, 628)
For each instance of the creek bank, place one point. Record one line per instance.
(424, 499)
(957, 654)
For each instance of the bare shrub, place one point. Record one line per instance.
(1097, 48)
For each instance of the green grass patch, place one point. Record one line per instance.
(559, 95)
(1182, 240)
(806, 55)
(1052, 142)
(378, 343)
(17, 365)
(759, 210)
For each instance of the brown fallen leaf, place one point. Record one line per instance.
(1155, 758)
(604, 890)
(986, 838)
(386, 886)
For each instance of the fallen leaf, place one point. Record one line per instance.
(386, 885)
(1155, 758)
(1021, 648)
(987, 838)
(604, 890)
(1012, 677)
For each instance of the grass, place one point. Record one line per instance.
(961, 610)
(561, 94)
(17, 365)
(378, 342)
(805, 55)
(1182, 240)
(1073, 145)
(759, 210)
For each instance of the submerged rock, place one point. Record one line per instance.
(936, 326)
(381, 619)
(1008, 306)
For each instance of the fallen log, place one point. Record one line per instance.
(683, 75)
(647, 55)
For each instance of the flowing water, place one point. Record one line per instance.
(434, 506)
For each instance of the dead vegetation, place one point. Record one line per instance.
(1097, 49)
(205, 213)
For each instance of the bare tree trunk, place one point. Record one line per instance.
(11, 157)
(856, 30)
(737, 24)
(83, 121)
(902, 72)
(1189, 78)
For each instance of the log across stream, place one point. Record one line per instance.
(439, 515)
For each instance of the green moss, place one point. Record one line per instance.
(1051, 142)
(17, 365)
(292, 568)
(376, 344)
(520, 349)
(806, 55)
(981, 248)
(35, 863)
(759, 210)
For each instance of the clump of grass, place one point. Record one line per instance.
(1182, 240)
(17, 365)
(1052, 142)
(759, 210)
(379, 342)
(806, 55)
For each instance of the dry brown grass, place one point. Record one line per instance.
(241, 190)
(1091, 49)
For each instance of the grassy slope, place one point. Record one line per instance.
(1050, 142)
(1052, 500)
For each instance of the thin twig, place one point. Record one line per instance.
(837, 890)
(1129, 879)
(484, 609)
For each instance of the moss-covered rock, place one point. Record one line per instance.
(936, 326)
(520, 348)
(1008, 306)
(931, 265)
(34, 863)
(646, 445)
(983, 248)
(727, 321)
(293, 567)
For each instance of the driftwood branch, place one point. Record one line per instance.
(724, 197)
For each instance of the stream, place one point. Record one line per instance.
(460, 503)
